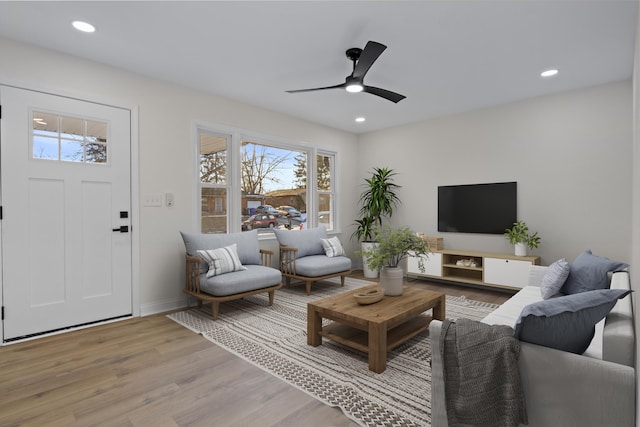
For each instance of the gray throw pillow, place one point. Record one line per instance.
(554, 278)
(307, 241)
(589, 272)
(568, 322)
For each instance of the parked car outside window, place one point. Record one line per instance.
(288, 211)
(259, 221)
(267, 209)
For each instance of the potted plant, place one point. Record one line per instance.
(377, 202)
(392, 246)
(519, 236)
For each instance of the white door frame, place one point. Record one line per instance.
(135, 191)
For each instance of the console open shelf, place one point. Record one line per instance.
(474, 267)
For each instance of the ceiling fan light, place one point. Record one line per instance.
(85, 27)
(354, 88)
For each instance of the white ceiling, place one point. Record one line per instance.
(445, 56)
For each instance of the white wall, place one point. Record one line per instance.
(570, 153)
(635, 229)
(166, 148)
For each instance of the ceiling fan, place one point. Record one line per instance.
(362, 59)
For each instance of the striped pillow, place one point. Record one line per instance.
(222, 260)
(332, 247)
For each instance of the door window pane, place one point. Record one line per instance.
(70, 139)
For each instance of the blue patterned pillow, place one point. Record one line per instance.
(222, 260)
(554, 278)
(566, 323)
(589, 272)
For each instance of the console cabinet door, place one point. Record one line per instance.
(432, 265)
(506, 272)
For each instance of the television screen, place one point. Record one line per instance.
(477, 208)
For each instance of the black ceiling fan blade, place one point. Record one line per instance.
(386, 94)
(340, 86)
(368, 56)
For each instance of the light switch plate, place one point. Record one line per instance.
(154, 200)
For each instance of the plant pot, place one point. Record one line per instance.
(368, 273)
(521, 249)
(391, 280)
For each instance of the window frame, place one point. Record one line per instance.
(234, 195)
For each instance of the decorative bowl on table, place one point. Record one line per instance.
(369, 296)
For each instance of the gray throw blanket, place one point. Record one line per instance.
(482, 380)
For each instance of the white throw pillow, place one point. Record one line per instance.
(332, 247)
(554, 278)
(222, 260)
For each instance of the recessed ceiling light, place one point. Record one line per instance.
(549, 73)
(85, 27)
(360, 119)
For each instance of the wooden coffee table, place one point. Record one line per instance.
(374, 328)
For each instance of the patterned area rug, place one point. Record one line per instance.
(275, 339)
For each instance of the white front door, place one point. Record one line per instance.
(66, 212)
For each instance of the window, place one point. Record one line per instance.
(213, 181)
(248, 183)
(275, 177)
(325, 189)
(69, 139)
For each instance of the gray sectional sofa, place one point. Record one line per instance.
(596, 388)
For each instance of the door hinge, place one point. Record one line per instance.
(0, 212)
(2, 313)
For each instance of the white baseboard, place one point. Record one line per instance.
(162, 306)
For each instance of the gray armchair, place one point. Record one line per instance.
(253, 273)
(302, 257)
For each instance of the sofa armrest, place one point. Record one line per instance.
(566, 389)
(288, 260)
(561, 389)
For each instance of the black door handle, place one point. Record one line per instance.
(122, 229)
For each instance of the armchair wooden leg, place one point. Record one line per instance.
(308, 283)
(271, 295)
(215, 309)
(342, 280)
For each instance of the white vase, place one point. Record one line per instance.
(521, 249)
(368, 273)
(391, 280)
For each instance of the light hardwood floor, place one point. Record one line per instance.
(150, 371)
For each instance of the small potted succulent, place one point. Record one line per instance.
(519, 236)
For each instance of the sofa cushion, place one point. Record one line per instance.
(332, 247)
(254, 277)
(320, 265)
(307, 241)
(566, 323)
(554, 277)
(589, 272)
(221, 260)
(247, 245)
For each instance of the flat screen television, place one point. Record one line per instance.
(477, 208)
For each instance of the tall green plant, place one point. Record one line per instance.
(377, 202)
